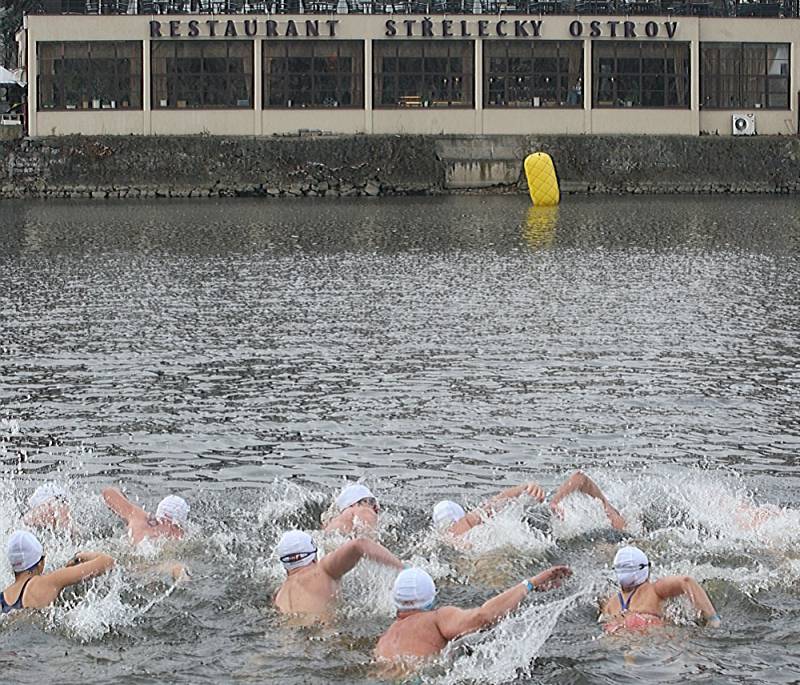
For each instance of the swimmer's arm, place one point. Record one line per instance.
(674, 586)
(121, 505)
(493, 504)
(344, 559)
(500, 499)
(454, 622)
(87, 565)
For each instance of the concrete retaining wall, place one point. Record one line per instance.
(202, 166)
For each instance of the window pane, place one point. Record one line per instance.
(428, 74)
(90, 75)
(743, 75)
(540, 74)
(321, 74)
(639, 74)
(197, 74)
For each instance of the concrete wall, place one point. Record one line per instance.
(170, 166)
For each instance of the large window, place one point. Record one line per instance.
(640, 74)
(420, 73)
(202, 74)
(90, 75)
(744, 75)
(532, 74)
(313, 74)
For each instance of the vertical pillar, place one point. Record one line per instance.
(147, 90)
(258, 89)
(477, 78)
(694, 79)
(588, 87)
(32, 74)
(369, 125)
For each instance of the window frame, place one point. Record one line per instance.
(535, 50)
(741, 80)
(316, 48)
(205, 77)
(90, 75)
(621, 71)
(391, 49)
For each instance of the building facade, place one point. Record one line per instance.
(503, 73)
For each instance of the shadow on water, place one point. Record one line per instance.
(250, 355)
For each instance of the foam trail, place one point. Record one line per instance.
(508, 650)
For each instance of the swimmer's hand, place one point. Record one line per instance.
(557, 509)
(535, 490)
(714, 621)
(82, 557)
(179, 572)
(551, 578)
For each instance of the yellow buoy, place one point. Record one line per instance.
(542, 180)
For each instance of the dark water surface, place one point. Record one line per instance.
(250, 355)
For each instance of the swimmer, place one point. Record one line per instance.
(449, 516)
(358, 509)
(580, 482)
(640, 602)
(34, 589)
(421, 631)
(311, 585)
(48, 508)
(169, 521)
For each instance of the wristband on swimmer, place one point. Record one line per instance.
(715, 617)
(528, 585)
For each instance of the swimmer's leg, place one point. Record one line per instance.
(580, 482)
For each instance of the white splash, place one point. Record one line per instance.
(508, 650)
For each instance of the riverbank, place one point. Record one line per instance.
(346, 166)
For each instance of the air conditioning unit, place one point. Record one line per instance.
(743, 124)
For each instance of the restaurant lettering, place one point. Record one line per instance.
(410, 28)
(219, 28)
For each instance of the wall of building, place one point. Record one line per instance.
(172, 166)
(477, 120)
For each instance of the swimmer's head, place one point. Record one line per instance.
(446, 513)
(173, 509)
(631, 566)
(354, 494)
(414, 590)
(46, 493)
(296, 549)
(24, 551)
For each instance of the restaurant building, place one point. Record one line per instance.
(262, 69)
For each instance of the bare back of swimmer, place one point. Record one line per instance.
(639, 604)
(168, 522)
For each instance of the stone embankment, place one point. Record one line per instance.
(349, 166)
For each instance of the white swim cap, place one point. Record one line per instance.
(296, 549)
(174, 509)
(631, 566)
(24, 551)
(352, 494)
(447, 512)
(44, 493)
(414, 590)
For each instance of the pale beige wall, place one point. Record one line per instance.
(91, 123)
(498, 121)
(657, 121)
(327, 120)
(767, 121)
(213, 121)
(433, 121)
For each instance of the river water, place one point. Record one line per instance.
(252, 355)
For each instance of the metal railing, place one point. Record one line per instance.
(703, 8)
